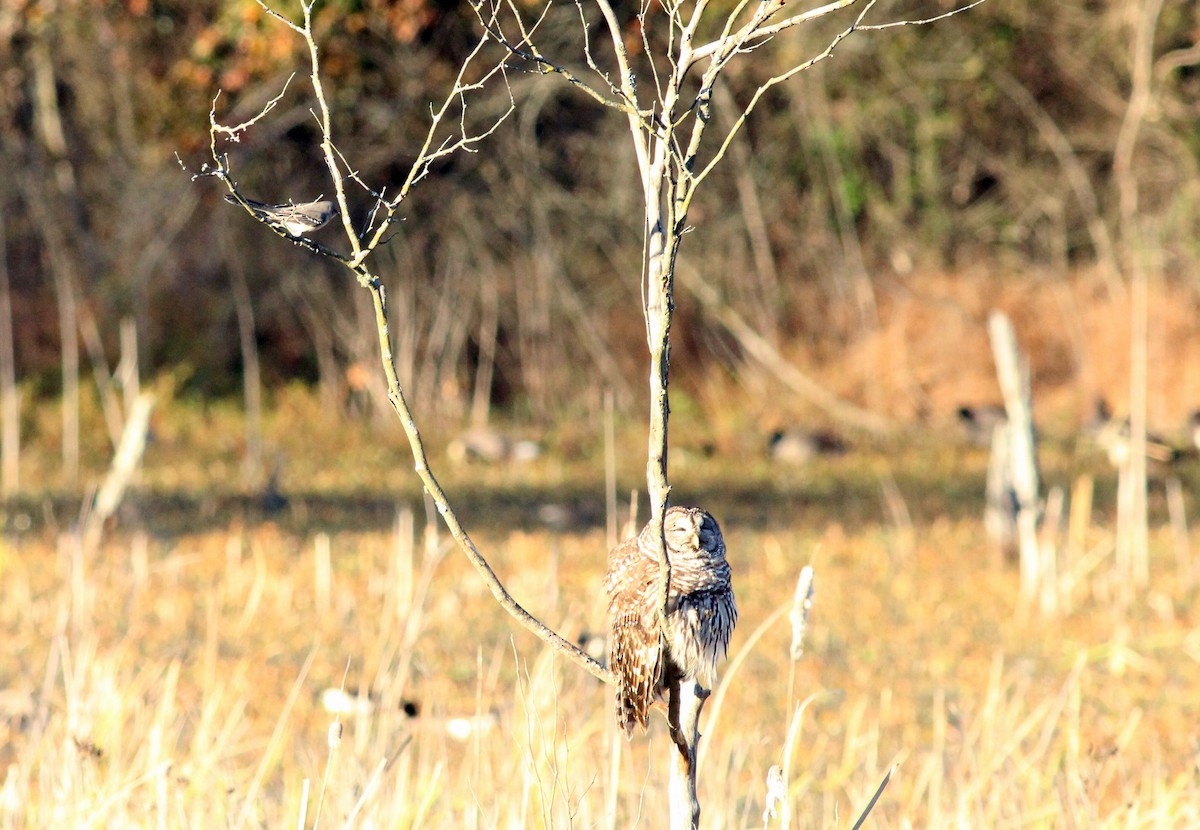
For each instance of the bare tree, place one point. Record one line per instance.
(668, 89)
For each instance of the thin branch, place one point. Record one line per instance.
(544, 65)
(655, 74)
(1177, 59)
(442, 502)
(428, 154)
(235, 131)
(293, 26)
(924, 21)
(626, 92)
(220, 168)
(327, 150)
(778, 79)
(754, 28)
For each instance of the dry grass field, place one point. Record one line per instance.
(175, 677)
(180, 675)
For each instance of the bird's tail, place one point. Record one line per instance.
(229, 197)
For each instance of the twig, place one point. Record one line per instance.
(923, 21)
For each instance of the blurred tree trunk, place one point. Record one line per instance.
(761, 288)
(251, 373)
(489, 324)
(852, 273)
(1138, 246)
(321, 329)
(70, 379)
(10, 402)
(50, 131)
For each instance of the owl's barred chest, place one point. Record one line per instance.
(699, 631)
(701, 608)
(699, 605)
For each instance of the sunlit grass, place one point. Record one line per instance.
(174, 677)
(190, 693)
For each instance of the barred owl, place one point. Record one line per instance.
(701, 612)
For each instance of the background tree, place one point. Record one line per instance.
(997, 147)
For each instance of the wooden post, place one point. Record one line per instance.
(1013, 374)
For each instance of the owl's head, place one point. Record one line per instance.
(690, 530)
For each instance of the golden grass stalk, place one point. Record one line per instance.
(801, 606)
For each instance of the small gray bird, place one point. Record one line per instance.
(297, 220)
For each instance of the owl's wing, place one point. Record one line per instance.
(635, 657)
(634, 651)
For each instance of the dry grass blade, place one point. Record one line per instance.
(368, 793)
(874, 798)
(275, 744)
(334, 739)
(302, 816)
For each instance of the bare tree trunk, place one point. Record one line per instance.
(69, 340)
(660, 304)
(125, 462)
(75, 320)
(10, 403)
(110, 404)
(53, 137)
(251, 374)
(128, 374)
(1000, 508)
(1132, 533)
(489, 324)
